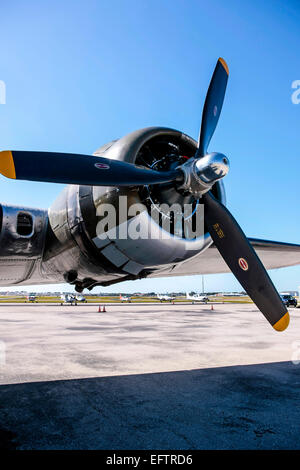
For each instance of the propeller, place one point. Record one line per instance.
(227, 235)
(212, 106)
(243, 262)
(196, 176)
(69, 168)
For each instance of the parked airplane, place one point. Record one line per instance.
(165, 298)
(31, 298)
(154, 167)
(68, 298)
(80, 298)
(197, 298)
(125, 298)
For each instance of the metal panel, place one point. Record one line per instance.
(12, 244)
(133, 268)
(114, 255)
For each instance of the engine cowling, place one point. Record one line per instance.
(159, 149)
(105, 258)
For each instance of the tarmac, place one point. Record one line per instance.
(147, 377)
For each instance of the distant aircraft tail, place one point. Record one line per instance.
(188, 295)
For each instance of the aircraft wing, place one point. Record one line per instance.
(272, 254)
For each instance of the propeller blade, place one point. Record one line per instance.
(212, 106)
(244, 262)
(71, 168)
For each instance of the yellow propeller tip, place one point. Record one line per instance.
(223, 62)
(7, 166)
(283, 323)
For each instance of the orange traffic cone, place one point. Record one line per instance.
(104, 310)
(212, 307)
(99, 309)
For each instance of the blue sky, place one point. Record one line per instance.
(81, 73)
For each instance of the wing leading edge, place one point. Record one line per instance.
(273, 255)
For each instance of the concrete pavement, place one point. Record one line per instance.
(144, 377)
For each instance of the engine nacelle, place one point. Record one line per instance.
(77, 244)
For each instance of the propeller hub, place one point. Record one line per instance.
(200, 174)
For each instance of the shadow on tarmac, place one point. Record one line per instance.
(238, 407)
